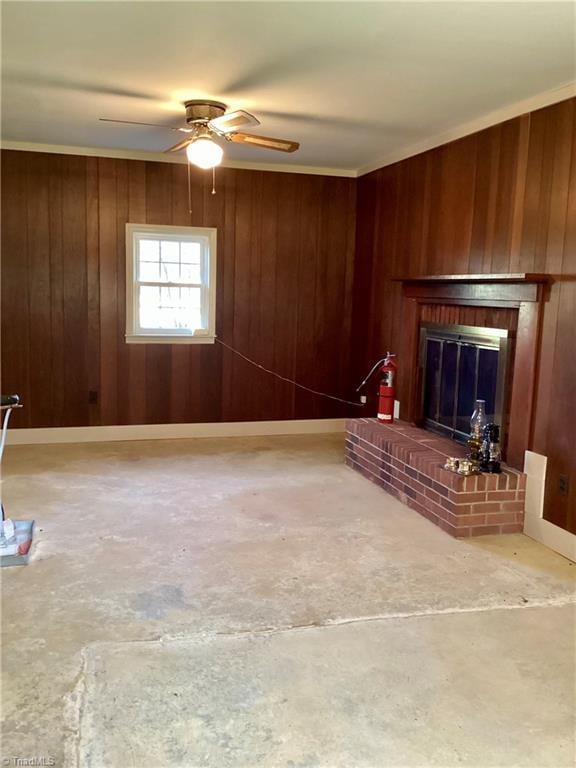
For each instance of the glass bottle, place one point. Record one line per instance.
(494, 454)
(478, 420)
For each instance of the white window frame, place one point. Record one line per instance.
(207, 237)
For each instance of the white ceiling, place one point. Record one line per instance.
(354, 82)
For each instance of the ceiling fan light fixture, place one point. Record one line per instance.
(206, 119)
(204, 153)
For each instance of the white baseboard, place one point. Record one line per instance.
(172, 431)
(535, 525)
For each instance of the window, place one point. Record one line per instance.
(170, 284)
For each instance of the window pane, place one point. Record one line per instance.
(169, 308)
(170, 273)
(190, 273)
(148, 306)
(149, 250)
(149, 271)
(190, 253)
(169, 261)
(170, 252)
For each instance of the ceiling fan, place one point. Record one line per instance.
(207, 120)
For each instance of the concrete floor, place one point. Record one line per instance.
(248, 603)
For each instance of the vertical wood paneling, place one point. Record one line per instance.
(107, 238)
(92, 347)
(15, 301)
(135, 354)
(307, 263)
(37, 225)
(57, 349)
(561, 509)
(241, 408)
(288, 289)
(269, 287)
(519, 189)
(122, 213)
(75, 292)
(503, 200)
(226, 287)
(254, 310)
(284, 291)
(485, 201)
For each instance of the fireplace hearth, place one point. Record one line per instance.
(408, 463)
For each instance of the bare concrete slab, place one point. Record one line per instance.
(472, 689)
(206, 538)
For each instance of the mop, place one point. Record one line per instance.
(15, 535)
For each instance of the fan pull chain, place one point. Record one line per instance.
(214, 180)
(189, 192)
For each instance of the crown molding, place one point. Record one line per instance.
(539, 101)
(509, 112)
(161, 157)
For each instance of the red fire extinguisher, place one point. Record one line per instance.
(387, 387)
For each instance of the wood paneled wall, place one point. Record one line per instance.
(502, 200)
(284, 292)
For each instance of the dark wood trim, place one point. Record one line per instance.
(465, 291)
(524, 373)
(412, 326)
(471, 302)
(512, 277)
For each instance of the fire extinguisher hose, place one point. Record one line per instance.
(374, 367)
(286, 379)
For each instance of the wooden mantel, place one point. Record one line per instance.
(524, 292)
(510, 277)
(478, 290)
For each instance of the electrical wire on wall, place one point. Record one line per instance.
(287, 379)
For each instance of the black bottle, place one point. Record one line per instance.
(490, 451)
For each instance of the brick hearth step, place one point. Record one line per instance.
(408, 462)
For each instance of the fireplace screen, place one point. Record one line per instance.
(460, 364)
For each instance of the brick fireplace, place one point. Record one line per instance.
(407, 462)
(512, 303)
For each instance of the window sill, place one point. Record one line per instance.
(153, 339)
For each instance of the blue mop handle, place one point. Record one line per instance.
(7, 403)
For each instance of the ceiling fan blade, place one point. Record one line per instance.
(181, 145)
(233, 120)
(282, 145)
(151, 125)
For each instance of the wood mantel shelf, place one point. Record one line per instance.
(511, 277)
(505, 289)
